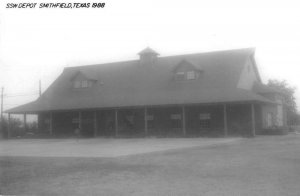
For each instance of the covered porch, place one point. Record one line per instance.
(193, 120)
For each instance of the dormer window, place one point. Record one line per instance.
(185, 70)
(82, 84)
(180, 76)
(77, 84)
(190, 75)
(82, 80)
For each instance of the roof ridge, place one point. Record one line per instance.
(162, 57)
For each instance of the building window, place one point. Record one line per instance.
(75, 120)
(204, 120)
(188, 75)
(77, 84)
(150, 117)
(180, 76)
(82, 84)
(191, 75)
(175, 121)
(175, 116)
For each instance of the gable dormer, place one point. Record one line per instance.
(185, 70)
(249, 75)
(148, 56)
(81, 80)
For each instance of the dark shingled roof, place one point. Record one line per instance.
(130, 83)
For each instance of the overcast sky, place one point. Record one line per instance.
(38, 43)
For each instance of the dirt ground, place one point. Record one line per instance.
(100, 147)
(265, 165)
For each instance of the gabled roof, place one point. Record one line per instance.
(128, 83)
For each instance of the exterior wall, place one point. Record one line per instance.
(278, 111)
(106, 123)
(44, 122)
(240, 119)
(162, 121)
(131, 123)
(216, 121)
(162, 125)
(64, 123)
(87, 123)
(248, 76)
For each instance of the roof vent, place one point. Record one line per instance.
(148, 56)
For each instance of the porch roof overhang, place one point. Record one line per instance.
(210, 96)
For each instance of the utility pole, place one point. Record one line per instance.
(40, 87)
(2, 125)
(2, 91)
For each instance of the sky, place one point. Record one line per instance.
(36, 44)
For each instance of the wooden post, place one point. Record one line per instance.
(225, 120)
(253, 119)
(116, 123)
(2, 124)
(80, 121)
(25, 124)
(51, 123)
(38, 122)
(146, 121)
(183, 121)
(95, 124)
(8, 126)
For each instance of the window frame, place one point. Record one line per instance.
(189, 74)
(205, 121)
(84, 84)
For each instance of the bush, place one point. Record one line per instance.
(17, 128)
(274, 131)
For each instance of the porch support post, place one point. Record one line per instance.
(116, 123)
(95, 124)
(183, 121)
(38, 122)
(80, 121)
(25, 124)
(51, 123)
(225, 120)
(8, 126)
(146, 121)
(253, 119)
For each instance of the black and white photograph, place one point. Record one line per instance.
(146, 98)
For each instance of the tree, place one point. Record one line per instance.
(289, 93)
(15, 127)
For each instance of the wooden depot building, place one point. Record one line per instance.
(206, 94)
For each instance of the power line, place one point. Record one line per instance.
(10, 104)
(20, 95)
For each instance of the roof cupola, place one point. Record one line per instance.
(148, 56)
